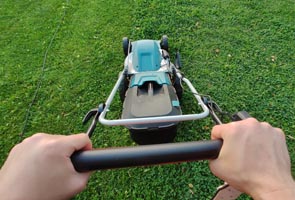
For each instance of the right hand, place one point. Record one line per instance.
(254, 159)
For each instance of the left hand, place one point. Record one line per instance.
(40, 168)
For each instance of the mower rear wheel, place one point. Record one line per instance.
(126, 46)
(178, 87)
(123, 88)
(164, 43)
(177, 60)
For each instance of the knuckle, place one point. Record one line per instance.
(50, 145)
(38, 136)
(16, 148)
(34, 138)
(265, 124)
(281, 133)
(251, 120)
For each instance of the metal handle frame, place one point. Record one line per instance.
(147, 120)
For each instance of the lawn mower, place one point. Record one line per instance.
(150, 87)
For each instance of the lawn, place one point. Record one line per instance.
(58, 59)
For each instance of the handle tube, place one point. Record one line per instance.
(121, 157)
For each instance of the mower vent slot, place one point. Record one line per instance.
(150, 88)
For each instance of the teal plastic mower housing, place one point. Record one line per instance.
(146, 55)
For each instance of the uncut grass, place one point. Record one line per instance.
(240, 53)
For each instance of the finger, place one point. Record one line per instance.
(216, 132)
(214, 167)
(78, 142)
(80, 181)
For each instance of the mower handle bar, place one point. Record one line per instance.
(144, 155)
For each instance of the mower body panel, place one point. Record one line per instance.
(146, 55)
(140, 102)
(159, 78)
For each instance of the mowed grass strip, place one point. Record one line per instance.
(240, 53)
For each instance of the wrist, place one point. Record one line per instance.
(286, 193)
(9, 189)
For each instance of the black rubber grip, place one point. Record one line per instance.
(145, 155)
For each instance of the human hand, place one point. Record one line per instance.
(40, 168)
(254, 159)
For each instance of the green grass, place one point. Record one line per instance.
(239, 52)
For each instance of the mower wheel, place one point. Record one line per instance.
(126, 46)
(177, 60)
(164, 43)
(123, 88)
(178, 87)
